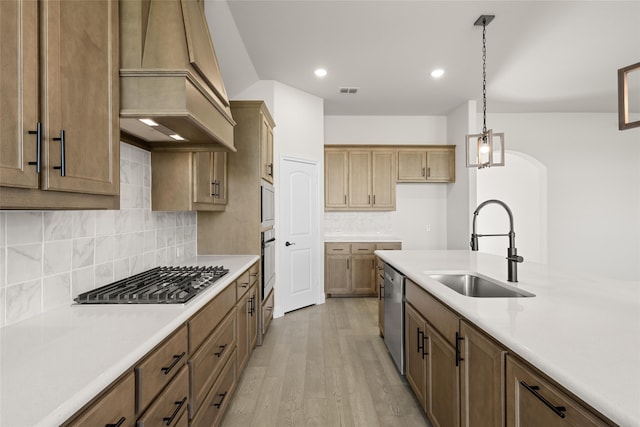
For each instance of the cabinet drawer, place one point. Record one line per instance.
(204, 322)
(242, 285)
(116, 405)
(170, 406)
(363, 248)
(526, 395)
(338, 248)
(206, 363)
(443, 319)
(162, 364)
(254, 273)
(267, 312)
(386, 246)
(218, 398)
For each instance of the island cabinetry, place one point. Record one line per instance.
(426, 164)
(534, 400)
(116, 406)
(57, 150)
(359, 178)
(380, 285)
(188, 181)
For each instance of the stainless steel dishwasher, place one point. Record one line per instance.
(394, 315)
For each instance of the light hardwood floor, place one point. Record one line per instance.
(324, 365)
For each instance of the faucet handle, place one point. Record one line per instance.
(516, 258)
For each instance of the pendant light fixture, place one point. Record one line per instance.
(487, 148)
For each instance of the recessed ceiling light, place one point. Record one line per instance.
(438, 72)
(320, 72)
(177, 137)
(148, 122)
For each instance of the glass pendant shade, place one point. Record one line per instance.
(485, 150)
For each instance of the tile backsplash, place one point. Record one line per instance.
(358, 223)
(49, 257)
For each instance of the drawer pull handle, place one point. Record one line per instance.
(118, 424)
(176, 359)
(559, 410)
(458, 358)
(219, 353)
(381, 292)
(38, 133)
(62, 167)
(244, 285)
(179, 404)
(219, 404)
(254, 274)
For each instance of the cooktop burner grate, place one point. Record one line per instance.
(160, 285)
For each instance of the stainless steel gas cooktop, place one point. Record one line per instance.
(160, 285)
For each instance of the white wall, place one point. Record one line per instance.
(593, 175)
(420, 219)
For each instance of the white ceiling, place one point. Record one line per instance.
(542, 56)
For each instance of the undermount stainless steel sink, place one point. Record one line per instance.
(478, 287)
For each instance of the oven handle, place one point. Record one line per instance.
(273, 239)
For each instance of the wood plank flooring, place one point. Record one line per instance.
(324, 365)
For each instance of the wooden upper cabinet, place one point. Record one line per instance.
(336, 179)
(19, 100)
(359, 178)
(359, 194)
(189, 181)
(426, 164)
(266, 149)
(75, 65)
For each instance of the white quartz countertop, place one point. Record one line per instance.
(584, 332)
(339, 237)
(53, 364)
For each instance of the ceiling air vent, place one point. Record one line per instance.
(348, 90)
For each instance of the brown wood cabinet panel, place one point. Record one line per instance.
(242, 285)
(442, 381)
(383, 177)
(204, 321)
(336, 166)
(360, 192)
(116, 404)
(482, 379)
(159, 367)
(526, 390)
(267, 312)
(415, 339)
(443, 319)
(363, 248)
(266, 149)
(19, 82)
(412, 165)
(218, 398)
(80, 47)
(170, 405)
(337, 248)
(206, 363)
(386, 246)
(253, 318)
(441, 166)
(363, 280)
(337, 279)
(243, 309)
(426, 164)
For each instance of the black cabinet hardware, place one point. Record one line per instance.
(38, 133)
(62, 167)
(219, 353)
(179, 404)
(458, 357)
(176, 359)
(118, 424)
(558, 410)
(381, 292)
(219, 404)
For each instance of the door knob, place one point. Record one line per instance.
(289, 244)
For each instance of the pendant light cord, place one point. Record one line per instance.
(484, 76)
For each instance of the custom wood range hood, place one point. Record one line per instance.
(169, 74)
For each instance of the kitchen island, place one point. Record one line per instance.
(583, 332)
(53, 364)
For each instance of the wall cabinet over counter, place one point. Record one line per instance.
(188, 181)
(363, 178)
(56, 149)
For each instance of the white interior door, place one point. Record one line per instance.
(299, 233)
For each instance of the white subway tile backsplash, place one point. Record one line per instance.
(56, 291)
(23, 300)
(24, 227)
(48, 257)
(57, 257)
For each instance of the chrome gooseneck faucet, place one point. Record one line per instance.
(512, 253)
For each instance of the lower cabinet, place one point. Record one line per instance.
(380, 286)
(458, 373)
(350, 268)
(189, 378)
(267, 312)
